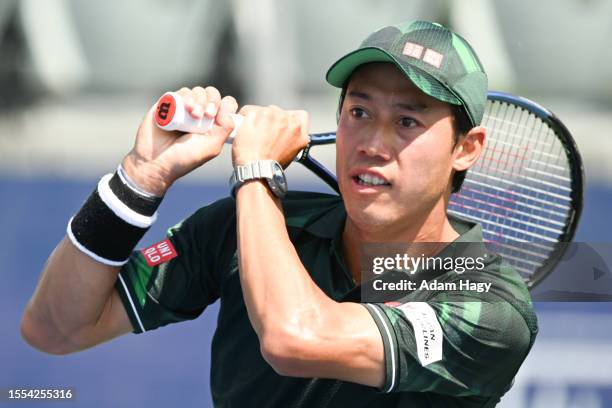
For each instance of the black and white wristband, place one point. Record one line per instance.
(113, 219)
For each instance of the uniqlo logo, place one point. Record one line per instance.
(413, 50)
(433, 58)
(159, 253)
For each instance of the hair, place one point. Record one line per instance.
(461, 124)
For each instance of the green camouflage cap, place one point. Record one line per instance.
(439, 62)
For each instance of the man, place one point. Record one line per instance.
(287, 269)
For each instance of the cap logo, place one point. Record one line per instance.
(433, 58)
(413, 50)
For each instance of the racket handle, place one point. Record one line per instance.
(170, 114)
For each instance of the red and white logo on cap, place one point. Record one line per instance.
(430, 56)
(433, 58)
(413, 50)
(159, 253)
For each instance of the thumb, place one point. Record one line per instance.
(224, 120)
(227, 109)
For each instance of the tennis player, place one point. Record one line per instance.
(286, 266)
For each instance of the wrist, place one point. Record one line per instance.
(244, 161)
(146, 177)
(268, 171)
(255, 186)
(112, 221)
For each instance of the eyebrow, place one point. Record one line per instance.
(418, 107)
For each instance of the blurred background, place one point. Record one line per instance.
(77, 76)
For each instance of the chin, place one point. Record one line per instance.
(371, 217)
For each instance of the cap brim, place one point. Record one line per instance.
(342, 69)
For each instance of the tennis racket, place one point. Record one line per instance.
(526, 190)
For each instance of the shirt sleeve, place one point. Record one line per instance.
(157, 291)
(458, 348)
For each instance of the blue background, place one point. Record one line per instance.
(164, 366)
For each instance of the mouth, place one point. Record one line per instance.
(370, 179)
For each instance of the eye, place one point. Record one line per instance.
(358, 113)
(408, 122)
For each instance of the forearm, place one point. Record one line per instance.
(72, 296)
(277, 288)
(76, 287)
(302, 331)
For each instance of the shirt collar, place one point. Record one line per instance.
(468, 231)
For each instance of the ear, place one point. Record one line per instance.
(468, 148)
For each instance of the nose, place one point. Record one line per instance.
(376, 144)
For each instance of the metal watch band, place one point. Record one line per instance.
(260, 169)
(254, 170)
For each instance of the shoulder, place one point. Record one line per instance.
(303, 207)
(507, 295)
(510, 286)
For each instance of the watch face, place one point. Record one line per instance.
(278, 178)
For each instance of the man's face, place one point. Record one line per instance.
(390, 132)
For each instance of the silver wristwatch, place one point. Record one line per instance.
(270, 170)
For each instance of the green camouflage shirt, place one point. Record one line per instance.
(484, 339)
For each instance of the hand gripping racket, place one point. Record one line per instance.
(526, 190)
(170, 114)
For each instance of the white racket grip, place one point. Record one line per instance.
(170, 114)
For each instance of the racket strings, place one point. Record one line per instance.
(519, 191)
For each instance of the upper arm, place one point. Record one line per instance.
(113, 322)
(80, 302)
(74, 306)
(345, 344)
(41, 332)
(147, 296)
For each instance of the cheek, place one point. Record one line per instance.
(426, 163)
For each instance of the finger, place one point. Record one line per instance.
(213, 100)
(278, 113)
(301, 115)
(200, 99)
(188, 99)
(184, 92)
(246, 109)
(303, 118)
(227, 107)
